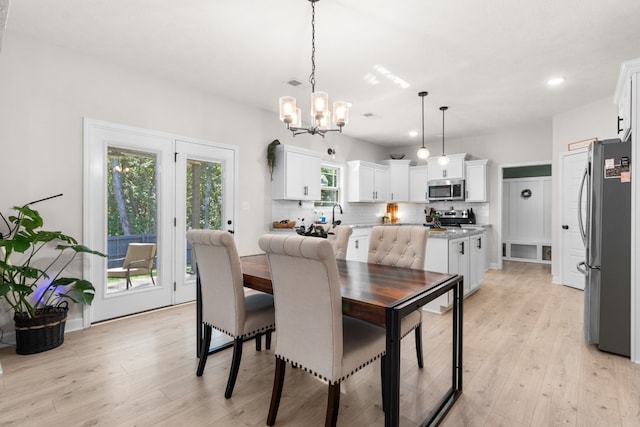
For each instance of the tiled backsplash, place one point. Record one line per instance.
(368, 213)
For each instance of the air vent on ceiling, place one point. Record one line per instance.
(369, 115)
(294, 83)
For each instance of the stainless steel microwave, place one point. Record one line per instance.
(446, 189)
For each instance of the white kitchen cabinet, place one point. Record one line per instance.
(367, 182)
(452, 170)
(358, 246)
(418, 189)
(296, 175)
(476, 181)
(627, 86)
(477, 258)
(398, 180)
(460, 255)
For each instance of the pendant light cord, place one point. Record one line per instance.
(443, 109)
(422, 95)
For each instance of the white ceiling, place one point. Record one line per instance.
(488, 60)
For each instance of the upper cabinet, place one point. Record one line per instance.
(367, 182)
(296, 175)
(454, 169)
(476, 181)
(418, 188)
(625, 97)
(398, 180)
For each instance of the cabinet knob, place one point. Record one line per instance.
(565, 227)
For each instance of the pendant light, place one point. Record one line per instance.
(443, 160)
(320, 114)
(422, 153)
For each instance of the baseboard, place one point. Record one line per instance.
(556, 280)
(494, 266)
(9, 337)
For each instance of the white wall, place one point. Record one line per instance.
(46, 91)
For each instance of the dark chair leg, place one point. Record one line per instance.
(333, 404)
(276, 394)
(258, 342)
(268, 340)
(204, 350)
(235, 367)
(418, 333)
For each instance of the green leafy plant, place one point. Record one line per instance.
(28, 289)
(271, 156)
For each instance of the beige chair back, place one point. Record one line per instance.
(398, 245)
(339, 239)
(308, 302)
(139, 258)
(221, 280)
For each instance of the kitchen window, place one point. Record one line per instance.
(330, 178)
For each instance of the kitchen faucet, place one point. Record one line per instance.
(333, 214)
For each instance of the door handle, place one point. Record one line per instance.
(582, 270)
(619, 120)
(462, 248)
(479, 243)
(565, 227)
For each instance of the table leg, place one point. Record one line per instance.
(392, 370)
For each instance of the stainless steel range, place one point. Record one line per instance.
(455, 218)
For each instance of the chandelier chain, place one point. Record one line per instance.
(312, 77)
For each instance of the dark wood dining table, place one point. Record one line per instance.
(383, 295)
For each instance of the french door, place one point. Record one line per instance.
(143, 190)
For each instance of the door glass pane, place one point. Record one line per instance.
(204, 200)
(131, 219)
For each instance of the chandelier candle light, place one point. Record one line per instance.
(443, 160)
(320, 114)
(423, 152)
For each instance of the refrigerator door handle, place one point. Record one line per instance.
(583, 232)
(582, 267)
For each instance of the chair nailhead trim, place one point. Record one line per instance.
(245, 335)
(323, 378)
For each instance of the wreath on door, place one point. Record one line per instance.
(525, 194)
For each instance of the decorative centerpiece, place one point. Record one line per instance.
(39, 296)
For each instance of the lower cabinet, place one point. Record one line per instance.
(358, 247)
(460, 255)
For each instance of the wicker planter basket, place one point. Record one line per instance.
(41, 333)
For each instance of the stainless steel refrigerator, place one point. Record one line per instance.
(605, 225)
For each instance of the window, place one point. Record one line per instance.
(329, 186)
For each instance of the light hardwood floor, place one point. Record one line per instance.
(525, 364)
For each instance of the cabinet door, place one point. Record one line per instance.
(302, 177)
(418, 177)
(435, 170)
(398, 183)
(476, 181)
(477, 252)
(358, 247)
(624, 111)
(459, 259)
(455, 168)
(381, 184)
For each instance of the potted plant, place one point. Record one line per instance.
(37, 292)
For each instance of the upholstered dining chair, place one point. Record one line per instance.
(401, 246)
(338, 236)
(224, 304)
(312, 332)
(137, 261)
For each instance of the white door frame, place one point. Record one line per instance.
(501, 168)
(94, 196)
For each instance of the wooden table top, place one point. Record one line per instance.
(367, 289)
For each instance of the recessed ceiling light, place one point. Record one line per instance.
(413, 133)
(556, 81)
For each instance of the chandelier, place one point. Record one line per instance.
(320, 114)
(423, 152)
